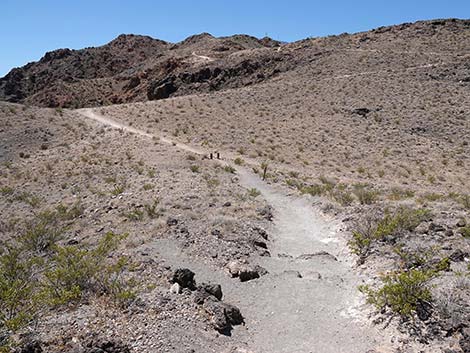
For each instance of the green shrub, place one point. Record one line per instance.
(314, 190)
(253, 192)
(229, 169)
(365, 195)
(134, 215)
(239, 161)
(465, 201)
(41, 233)
(343, 197)
(17, 296)
(118, 189)
(75, 273)
(195, 168)
(372, 228)
(151, 209)
(401, 292)
(465, 231)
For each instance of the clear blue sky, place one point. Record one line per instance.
(29, 28)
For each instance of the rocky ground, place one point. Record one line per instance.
(362, 142)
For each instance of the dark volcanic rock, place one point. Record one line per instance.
(161, 90)
(213, 289)
(223, 315)
(32, 347)
(184, 277)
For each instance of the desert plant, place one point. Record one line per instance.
(239, 161)
(365, 195)
(18, 303)
(41, 233)
(118, 189)
(401, 292)
(253, 192)
(229, 169)
(151, 209)
(373, 227)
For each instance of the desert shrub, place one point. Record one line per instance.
(465, 201)
(397, 194)
(17, 297)
(229, 169)
(465, 231)
(343, 197)
(68, 213)
(423, 259)
(239, 161)
(194, 168)
(253, 192)
(151, 208)
(74, 273)
(41, 233)
(403, 219)
(401, 292)
(328, 184)
(373, 227)
(118, 189)
(30, 284)
(148, 187)
(365, 195)
(134, 215)
(28, 198)
(313, 190)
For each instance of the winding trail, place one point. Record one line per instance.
(308, 302)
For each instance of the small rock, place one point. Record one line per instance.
(247, 274)
(292, 273)
(227, 204)
(175, 288)
(171, 221)
(461, 223)
(458, 256)
(322, 254)
(422, 229)
(32, 347)
(433, 227)
(260, 244)
(312, 275)
(424, 310)
(449, 233)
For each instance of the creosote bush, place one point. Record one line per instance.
(32, 281)
(401, 292)
(373, 227)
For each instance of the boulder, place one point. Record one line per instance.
(222, 315)
(244, 271)
(161, 90)
(213, 289)
(184, 277)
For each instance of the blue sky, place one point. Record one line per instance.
(29, 28)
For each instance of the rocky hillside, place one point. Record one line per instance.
(137, 68)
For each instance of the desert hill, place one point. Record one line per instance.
(135, 68)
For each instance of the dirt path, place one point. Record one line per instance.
(306, 303)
